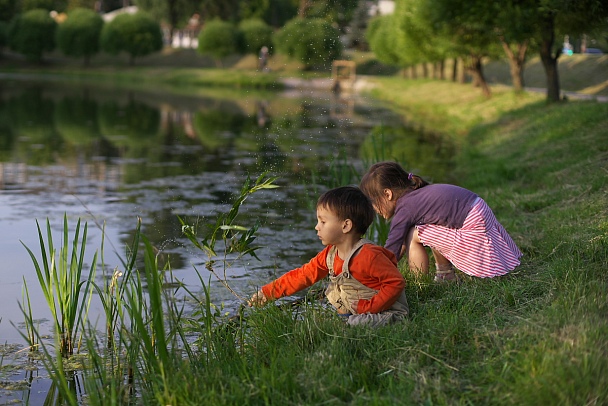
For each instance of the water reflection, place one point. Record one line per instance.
(111, 155)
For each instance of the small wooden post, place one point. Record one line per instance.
(343, 74)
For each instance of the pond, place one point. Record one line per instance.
(110, 156)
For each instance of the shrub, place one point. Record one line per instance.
(381, 40)
(218, 39)
(78, 36)
(311, 41)
(136, 34)
(256, 34)
(32, 33)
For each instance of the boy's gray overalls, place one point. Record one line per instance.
(344, 289)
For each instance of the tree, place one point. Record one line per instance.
(256, 34)
(27, 5)
(519, 24)
(415, 39)
(8, 9)
(278, 12)
(136, 34)
(358, 26)
(78, 36)
(380, 35)
(562, 16)
(470, 28)
(32, 33)
(514, 25)
(311, 41)
(338, 12)
(218, 39)
(175, 13)
(226, 10)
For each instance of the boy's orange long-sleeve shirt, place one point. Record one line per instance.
(373, 266)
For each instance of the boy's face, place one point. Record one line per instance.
(330, 229)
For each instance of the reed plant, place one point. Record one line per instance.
(26, 308)
(237, 240)
(66, 289)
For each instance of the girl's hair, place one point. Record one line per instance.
(349, 202)
(389, 175)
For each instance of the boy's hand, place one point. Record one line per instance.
(258, 299)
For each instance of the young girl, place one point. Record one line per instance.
(455, 223)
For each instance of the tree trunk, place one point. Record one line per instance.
(462, 76)
(476, 69)
(413, 73)
(516, 63)
(455, 70)
(549, 61)
(303, 8)
(425, 70)
(441, 69)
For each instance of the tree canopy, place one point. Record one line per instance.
(312, 41)
(136, 34)
(79, 34)
(218, 39)
(429, 30)
(32, 33)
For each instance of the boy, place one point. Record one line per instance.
(365, 285)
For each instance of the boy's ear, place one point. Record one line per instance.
(347, 225)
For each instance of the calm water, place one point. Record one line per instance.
(110, 156)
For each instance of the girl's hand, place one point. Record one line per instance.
(258, 299)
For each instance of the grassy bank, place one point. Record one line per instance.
(536, 336)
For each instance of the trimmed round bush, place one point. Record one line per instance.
(218, 39)
(136, 34)
(78, 36)
(311, 41)
(32, 33)
(256, 34)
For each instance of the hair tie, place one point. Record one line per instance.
(409, 176)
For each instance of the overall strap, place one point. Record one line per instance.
(331, 255)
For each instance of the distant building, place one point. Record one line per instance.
(107, 17)
(382, 7)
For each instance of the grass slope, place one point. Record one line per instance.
(535, 336)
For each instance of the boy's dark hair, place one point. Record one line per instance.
(349, 202)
